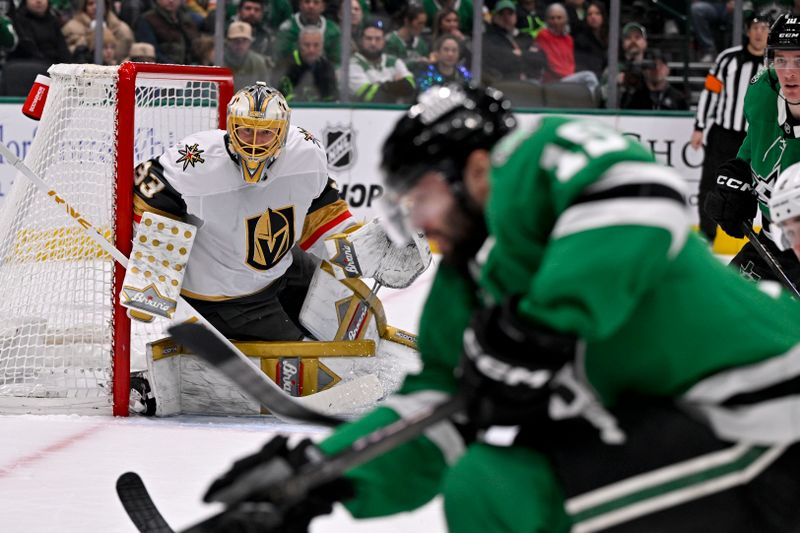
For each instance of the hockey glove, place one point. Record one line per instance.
(257, 478)
(508, 365)
(732, 201)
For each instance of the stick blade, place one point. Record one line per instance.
(139, 505)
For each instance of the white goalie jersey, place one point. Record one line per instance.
(245, 230)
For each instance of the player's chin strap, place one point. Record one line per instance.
(790, 130)
(785, 118)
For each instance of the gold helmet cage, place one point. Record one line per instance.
(251, 111)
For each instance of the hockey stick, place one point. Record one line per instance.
(283, 491)
(204, 344)
(767, 256)
(139, 505)
(280, 403)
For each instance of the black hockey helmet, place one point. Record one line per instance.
(784, 34)
(440, 130)
(445, 125)
(767, 16)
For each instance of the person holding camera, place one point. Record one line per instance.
(631, 78)
(652, 89)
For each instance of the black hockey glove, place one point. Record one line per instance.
(508, 365)
(256, 479)
(732, 201)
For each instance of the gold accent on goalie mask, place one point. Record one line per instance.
(258, 124)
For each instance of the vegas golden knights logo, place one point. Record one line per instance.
(269, 237)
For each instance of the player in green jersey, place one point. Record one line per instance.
(574, 310)
(744, 184)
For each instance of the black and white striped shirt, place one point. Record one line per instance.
(722, 99)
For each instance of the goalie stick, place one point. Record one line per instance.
(284, 492)
(280, 404)
(769, 258)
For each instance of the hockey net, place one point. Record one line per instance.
(65, 343)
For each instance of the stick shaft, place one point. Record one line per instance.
(293, 490)
(371, 446)
(770, 259)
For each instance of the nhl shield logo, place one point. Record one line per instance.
(340, 146)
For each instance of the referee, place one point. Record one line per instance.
(721, 108)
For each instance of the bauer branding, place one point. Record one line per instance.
(354, 331)
(289, 372)
(346, 258)
(148, 299)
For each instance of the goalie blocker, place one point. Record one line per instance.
(156, 267)
(354, 346)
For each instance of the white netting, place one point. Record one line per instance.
(56, 336)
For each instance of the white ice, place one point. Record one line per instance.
(58, 472)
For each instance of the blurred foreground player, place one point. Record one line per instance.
(617, 376)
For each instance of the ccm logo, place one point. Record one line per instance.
(733, 183)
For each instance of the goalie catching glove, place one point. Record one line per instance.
(732, 201)
(251, 489)
(367, 251)
(508, 366)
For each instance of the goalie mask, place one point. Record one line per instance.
(258, 124)
(444, 126)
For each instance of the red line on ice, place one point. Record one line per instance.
(43, 453)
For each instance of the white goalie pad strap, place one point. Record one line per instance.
(153, 280)
(369, 252)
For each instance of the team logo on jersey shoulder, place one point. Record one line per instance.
(308, 136)
(270, 236)
(340, 146)
(190, 155)
(757, 76)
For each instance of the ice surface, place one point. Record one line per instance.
(57, 472)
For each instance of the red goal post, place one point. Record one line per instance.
(66, 345)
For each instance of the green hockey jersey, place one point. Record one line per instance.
(771, 144)
(593, 236)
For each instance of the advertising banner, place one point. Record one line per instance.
(353, 140)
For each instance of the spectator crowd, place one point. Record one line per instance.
(397, 47)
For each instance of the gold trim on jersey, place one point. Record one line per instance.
(321, 216)
(140, 206)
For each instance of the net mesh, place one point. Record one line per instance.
(56, 310)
